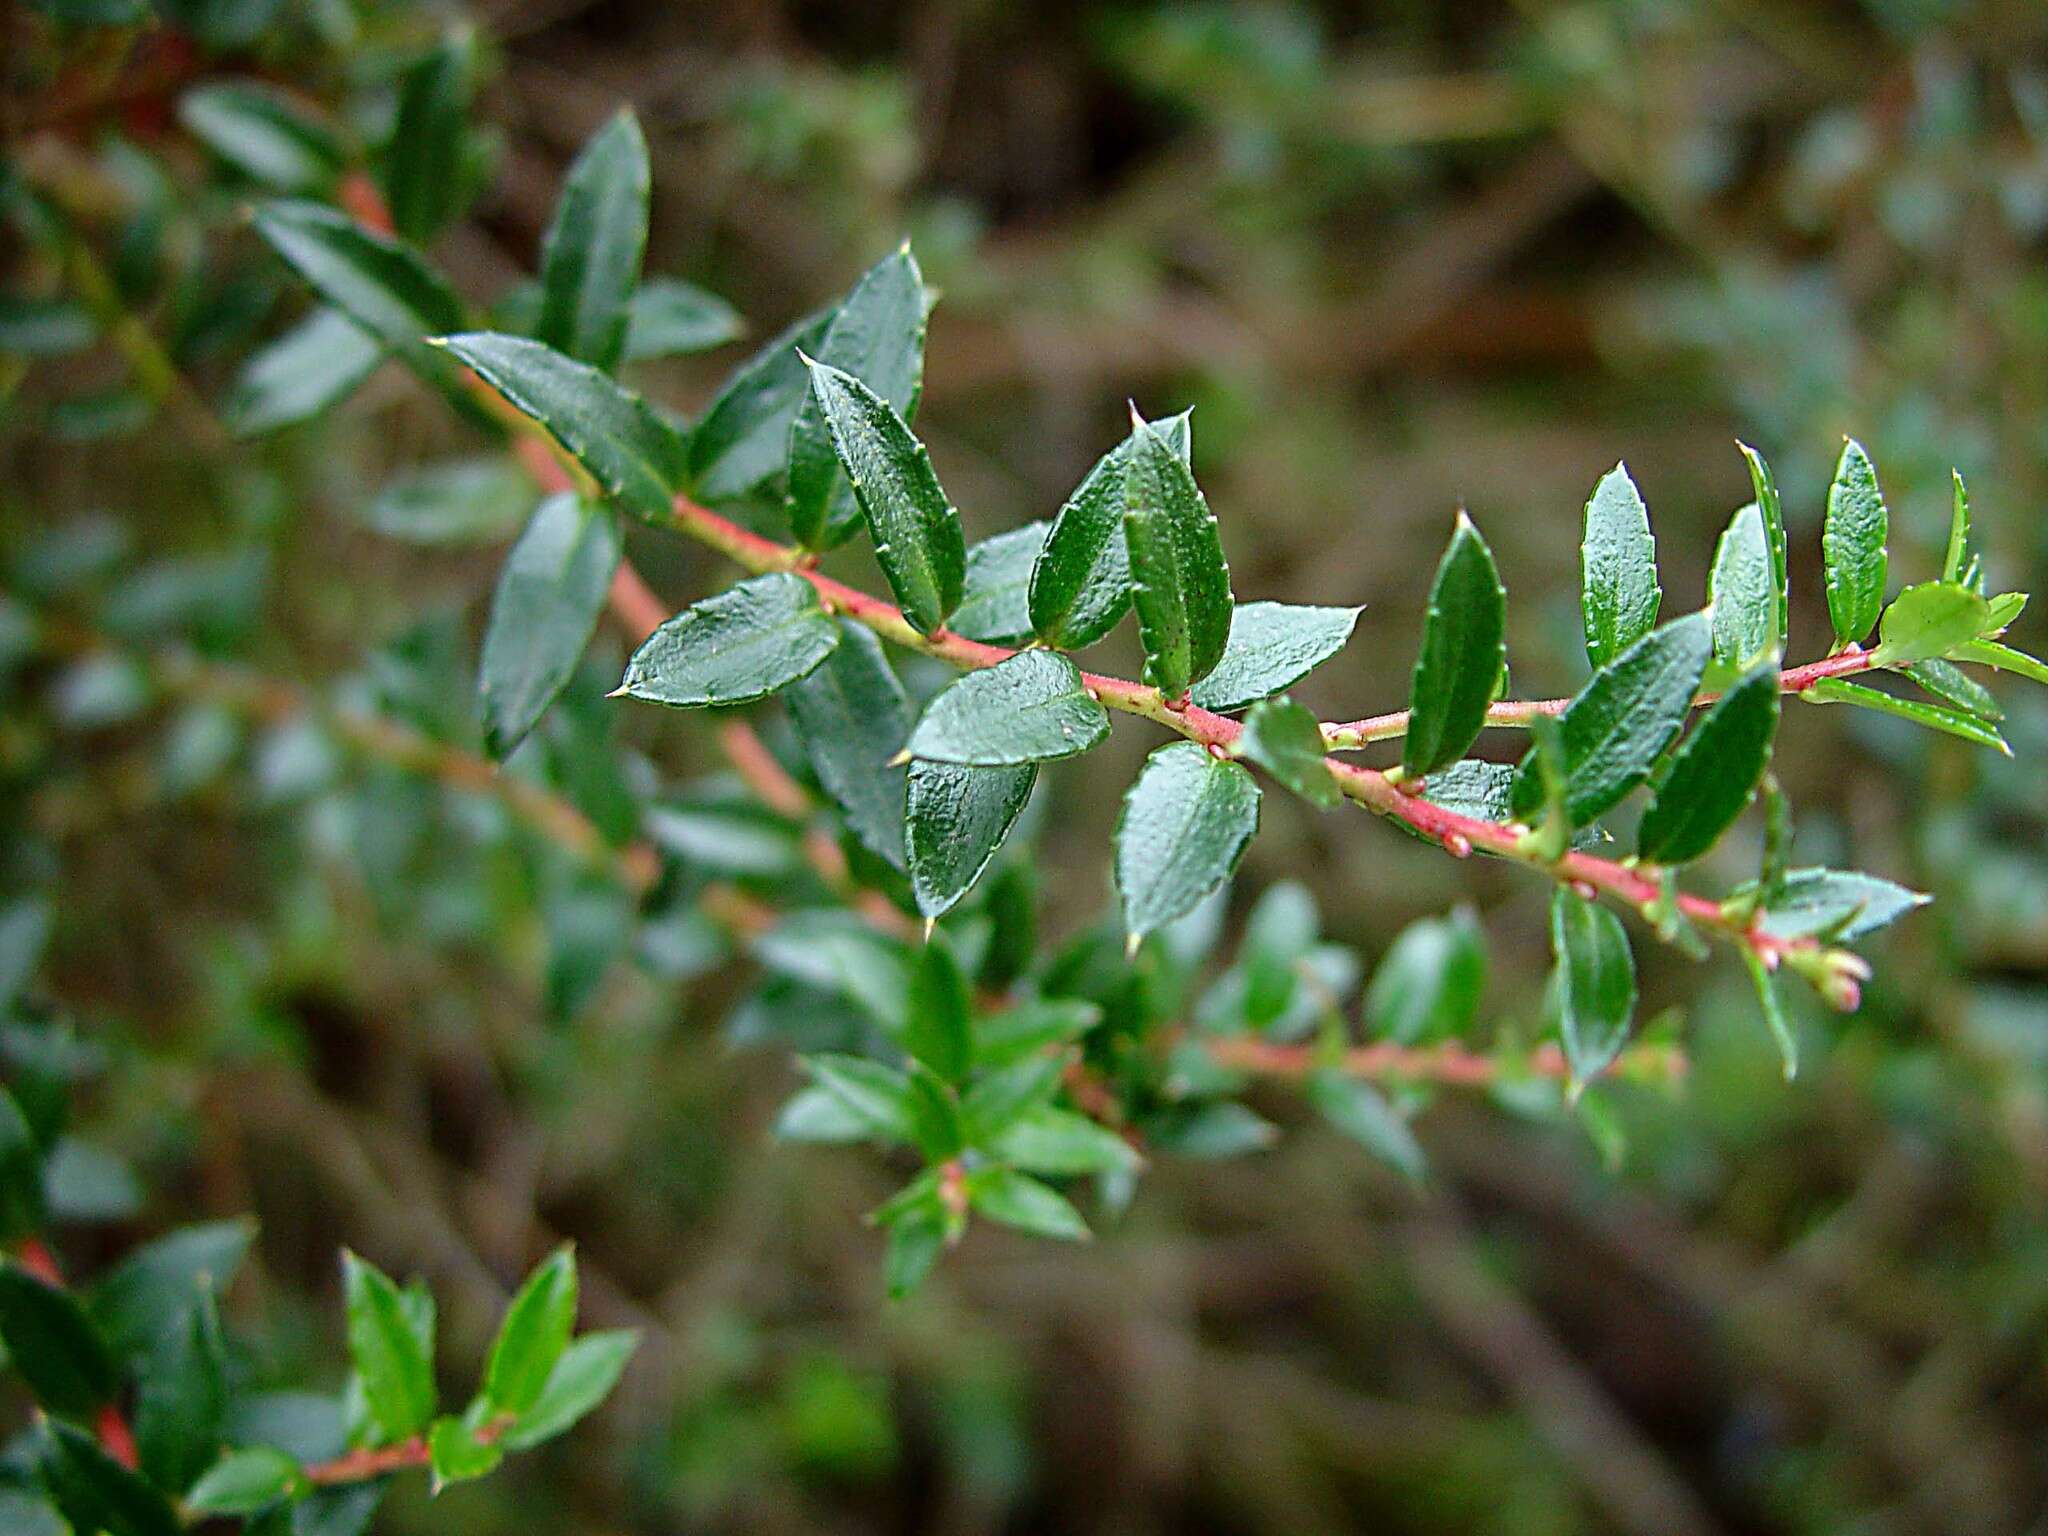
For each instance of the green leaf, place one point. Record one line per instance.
(994, 603)
(264, 134)
(667, 317)
(181, 1396)
(999, 1097)
(744, 644)
(813, 1115)
(1959, 563)
(1595, 980)
(44, 327)
(396, 1368)
(1952, 685)
(610, 431)
(2004, 608)
(740, 447)
(878, 1096)
(150, 1292)
(916, 531)
(1029, 708)
(1286, 740)
(1361, 1112)
(1929, 620)
(584, 1377)
(1210, 1132)
(1619, 595)
(473, 500)
(1428, 985)
(1180, 584)
(1272, 647)
(317, 362)
(1062, 1144)
(1741, 595)
(590, 256)
(937, 1028)
(1714, 774)
(96, 1493)
(1772, 508)
(1990, 653)
(385, 287)
(1836, 690)
(246, 1482)
(1852, 545)
(54, 1345)
(916, 1239)
(1081, 582)
(1836, 905)
(876, 337)
(457, 1454)
(1774, 1011)
(533, 1334)
(853, 718)
(1463, 649)
(21, 1173)
(837, 951)
(1016, 1200)
(1186, 822)
(1619, 724)
(424, 176)
(954, 822)
(549, 596)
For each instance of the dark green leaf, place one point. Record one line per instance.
(937, 1029)
(1837, 690)
(150, 1292)
(1210, 1132)
(582, 1378)
(549, 596)
(916, 531)
(1060, 1143)
(853, 717)
(916, 1239)
(1283, 738)
(476, 500)
(1017, 1200)
(1030, 708)
(1741, 595)
(1852, 545)
(21, 1173)
(590, 256)
(1772, 508)
(1180, 583)
(1929, 620)
(1361, 1112)
(1954, 686)
(1081, 582)
(1595, 981)
(877, 337)
(456, 1454)
(994, 604)
(839, 952)
(1272, 647)
(998, 1097)
(385, 287)
(181, 1396)
(954, 821)
(424, 176)
(396, 1368)
(878, 1096)
(1186, 822)
(264, 134)
(319, 361)
(1836, 904)
(53, 1344)
(1463, 649)
(96, 1493)
(1714, 774)
(246, 1482)
(1619, 594)
(1619, 724)
(610, 431)
(533, 1335)
(670, 318)
(741, 444)
(1428, 985)
(745, 643)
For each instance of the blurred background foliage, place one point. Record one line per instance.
(1399, 257)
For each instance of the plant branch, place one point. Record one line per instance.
(1451, 1065)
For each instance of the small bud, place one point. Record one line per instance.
(1584, 891)
(1458, 845)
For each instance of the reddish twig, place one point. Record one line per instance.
(1448, 1064)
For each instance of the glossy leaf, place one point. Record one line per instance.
(1186, 822)
(1852, 545)
(1463, 649)
(1283, 738)
(425, 180)
(549, 596)
(395, 1366)
(954, 823)
(1952, 685)
(1836, 905)
(54, 1346)
(744, 644)
(994, 602)
(246, 1482)
(1017, 1200)
(264, 134)
(1030, 708)
(1954, 722)
(150, 1292)
(1428, 985)
(877, 337)
(320, 361)
(457, 1454)
(582, 1378)
(1618, 725)
(1272, 647)
(1362, 1112)
(590, 256)
(1929, 620)
(534, 1333)
(96, 1493)
(181, 1395)
(1990, 653)
(917, 534)
(1595, 981)
(1714, 774)
(1772, 509)
(631, 452)
(385, 287)
(1618, 594)
(1741, 595)
(937, 1030)
(1180, 583)
(740, 447)
(1081, 582)
(667, 317)
(1959, 562)
(853, 717)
